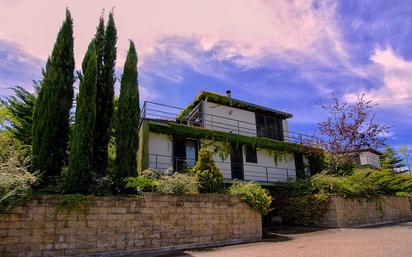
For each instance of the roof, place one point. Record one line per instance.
(362, 150)
(232, 102)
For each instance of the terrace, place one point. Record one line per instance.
(197, 118)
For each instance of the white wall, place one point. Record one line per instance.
(247, 120)
(266, 169)
(222, 164)
(162, 146)
(369, 158)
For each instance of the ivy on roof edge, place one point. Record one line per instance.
(218, 99)
(260, 142)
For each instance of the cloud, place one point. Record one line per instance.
(252, 29)
(17, 67)
(396, 85)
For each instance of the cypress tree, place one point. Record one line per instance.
(52, 108)
(79, 174)
(106, 57)
(127, 119)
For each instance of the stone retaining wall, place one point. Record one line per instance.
(127, 225)
(363, 212)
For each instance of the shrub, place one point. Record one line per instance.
(73, 202)
(141, 184)
(355, 185)
(102, 186)
(152, 173)
(15, 182)
(253, 194)
(303, 210)
(178, 184)
(209, 176)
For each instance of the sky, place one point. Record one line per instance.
(284, 54)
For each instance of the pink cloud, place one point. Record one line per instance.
(251, 27)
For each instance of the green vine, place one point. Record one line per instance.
(76, 202)
(278, 156)
(258, 142)
(222, 149)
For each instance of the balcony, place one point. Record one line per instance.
(249, 171)
(197, 118)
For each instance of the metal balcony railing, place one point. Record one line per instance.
(163, 112)
(250, 171)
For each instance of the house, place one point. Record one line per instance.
(249, 142)
(368, 157)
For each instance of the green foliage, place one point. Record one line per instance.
(316, 163)
(297, 202)
(142, 184)
(106, 56)
(10, 147)
(75, 202)
(102, 186)
(208, 174)
(203, 133)
(79, 173)
(151, 173)
(15, 181)
(20, 118)
(178, 184)
(303, 210)
(127, 120)
(253, 194)
(365, 182)
(355, 185)
(52, 108)
(390, 159)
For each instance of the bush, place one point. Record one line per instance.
(141, 184)
(208, 174)
(303, 210)
(355, 185)
(178, 184)
(253, 194)
(363, 182)
(15, 182)
(157, 174)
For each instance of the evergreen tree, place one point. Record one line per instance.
(79, 175)
(106, 57)
(390, 159)
(127, 120)
(20, 107)
(52, 108)
(209, 176)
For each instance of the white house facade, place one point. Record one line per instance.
(248, 142)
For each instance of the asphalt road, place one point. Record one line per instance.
(381, 241)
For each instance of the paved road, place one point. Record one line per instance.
(382, 241)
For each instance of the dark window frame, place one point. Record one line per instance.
(251, 154)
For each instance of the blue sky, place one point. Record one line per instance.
(287, 55)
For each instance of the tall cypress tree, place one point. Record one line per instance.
(79, 174)
(52, 108)
(106, 58)
(127, 119)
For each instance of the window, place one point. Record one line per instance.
(185, 153)
(268, 126)
(251, 154)
(191, 149)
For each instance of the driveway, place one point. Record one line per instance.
(381, 241)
